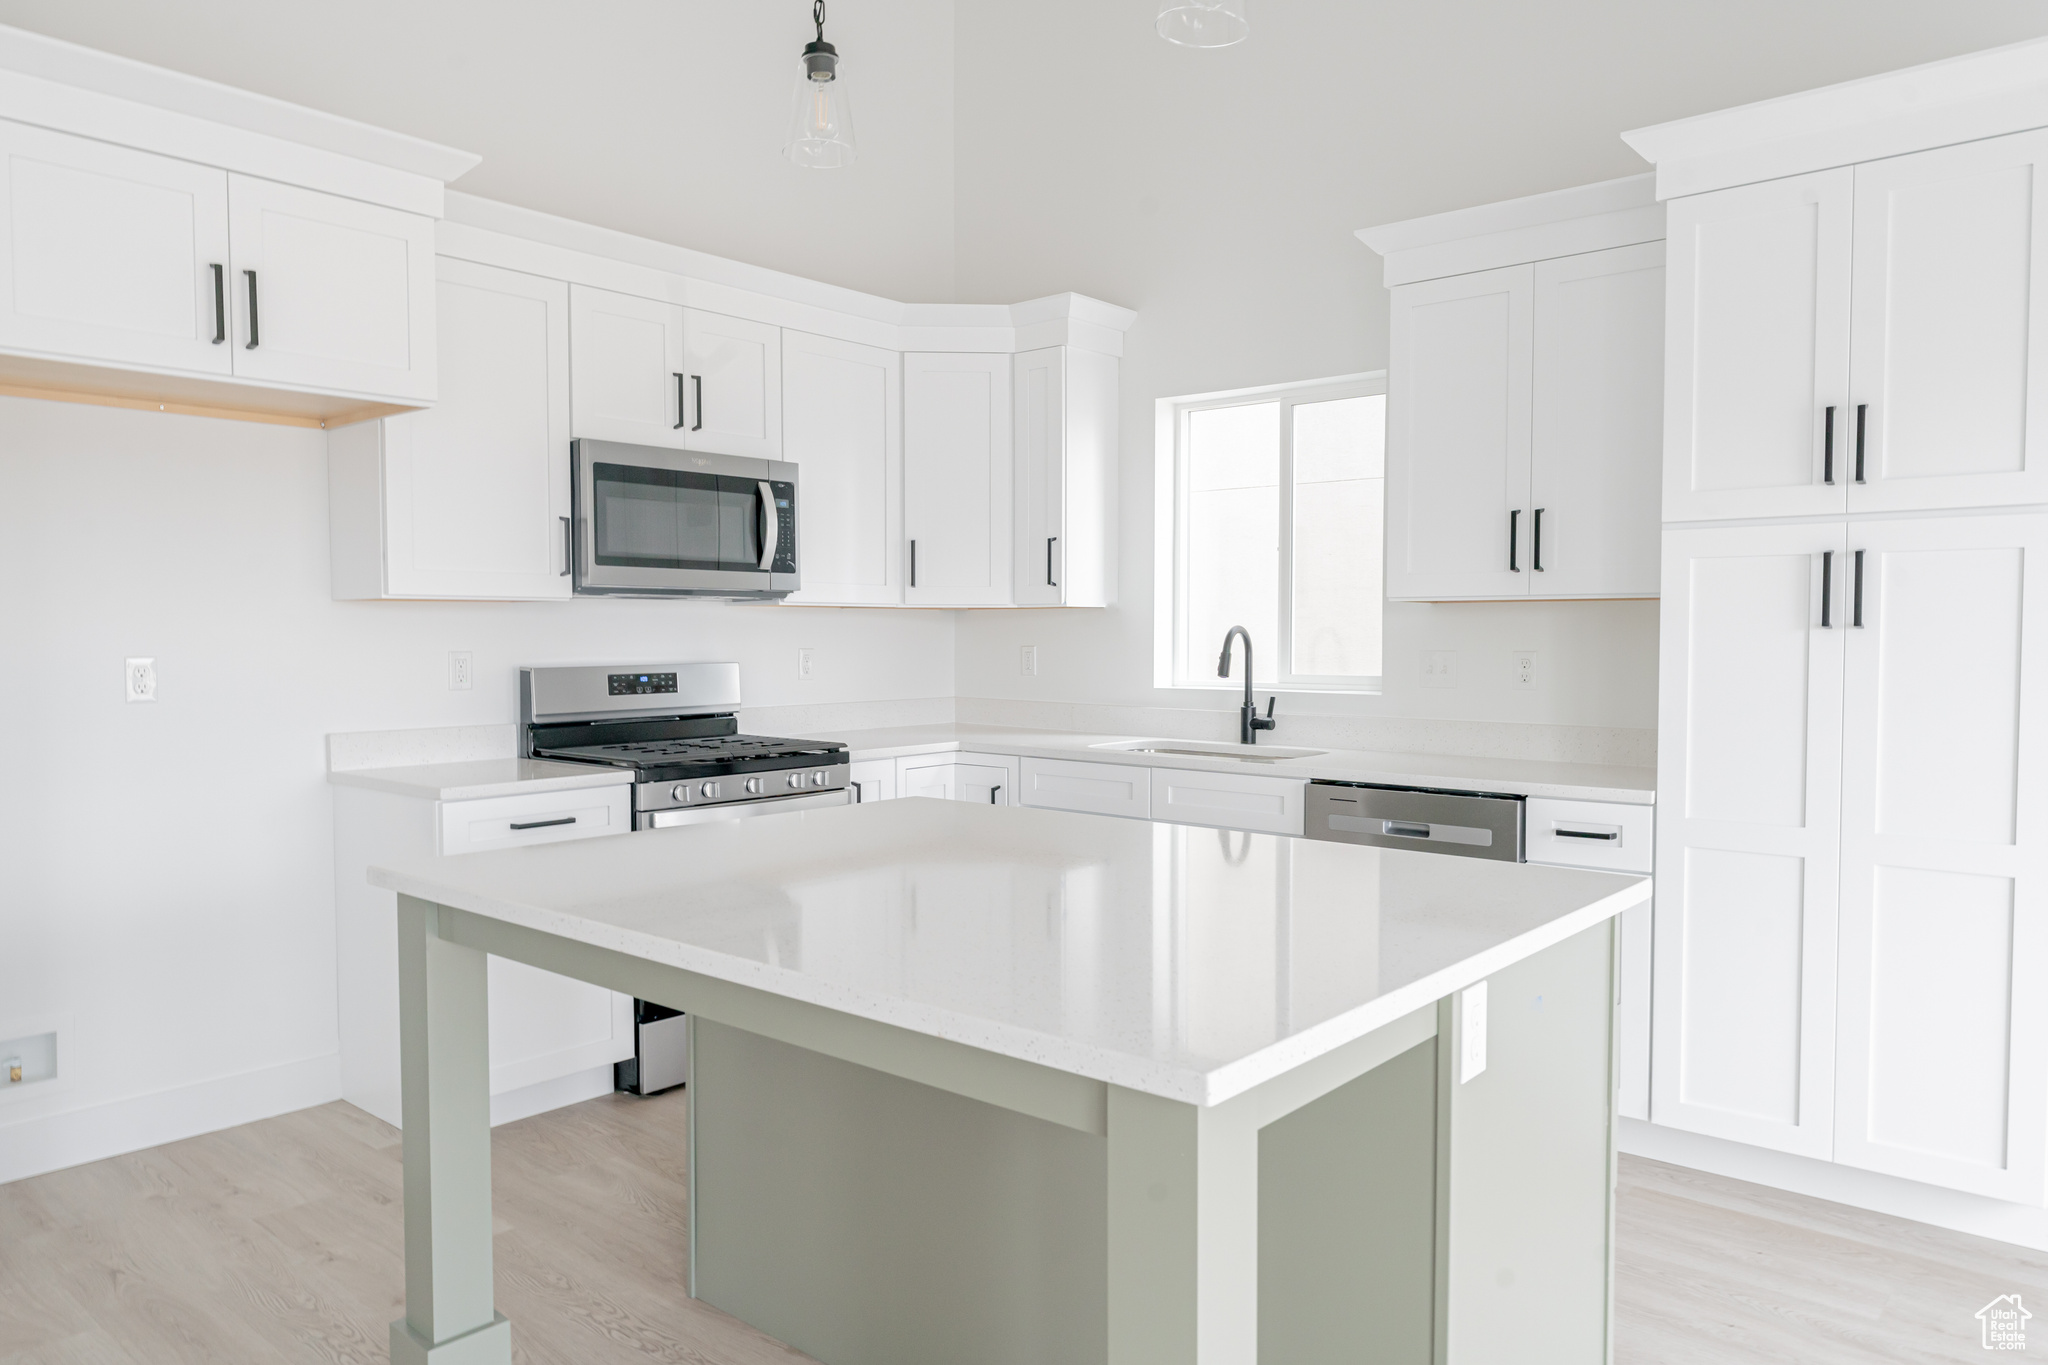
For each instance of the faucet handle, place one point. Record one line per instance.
(1265, 722)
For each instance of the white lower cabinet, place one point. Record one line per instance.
(468, 498)
(987, 778)
(1098, 788)
(1851, 947)
(543, 1027)
(872, 779)
(1269, 805)
(1609, 837)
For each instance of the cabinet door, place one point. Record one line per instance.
(986, 779)
(1942, 1072)
(872, 779)
(957, 479)
(476, 488)
(1040, 378)
(626, 376)
(1597, 429)
(842, 427)
(1951, 288)
(1748, 834)
(1098, 788)
(108, 254)
(1756, 349)
(1458, 437)
(734, 372)
(330, 293)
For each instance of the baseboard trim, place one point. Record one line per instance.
(2020, 1224)
(513, 1105)
(73, 1137)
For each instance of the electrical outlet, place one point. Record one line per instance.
(1439, 668)
(806, 662)
(1523, 672)
(461, 670)
(141, 679)
(1027, 661)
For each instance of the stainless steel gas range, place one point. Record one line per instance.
(676, 727)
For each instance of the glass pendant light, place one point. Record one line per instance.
(821, 129)
(1203, 23)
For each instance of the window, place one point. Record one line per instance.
(1271, 517)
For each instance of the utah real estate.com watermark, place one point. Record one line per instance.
(2005, 1323)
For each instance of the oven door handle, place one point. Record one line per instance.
(771, 527)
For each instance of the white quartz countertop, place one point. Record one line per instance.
(487, 777)
(1515, 777)
(1184, 962)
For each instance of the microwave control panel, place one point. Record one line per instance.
(785, 522)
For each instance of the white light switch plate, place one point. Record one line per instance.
(1472, 1033)
(141, 679)
(1027, 660)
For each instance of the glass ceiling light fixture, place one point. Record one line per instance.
(821, 130)
(1203, 23)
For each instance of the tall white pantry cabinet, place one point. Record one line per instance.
(1851, 941)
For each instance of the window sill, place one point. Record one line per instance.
(1374, 688)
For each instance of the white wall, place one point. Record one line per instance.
(167, 877)
(658, 117)
(1216, 193)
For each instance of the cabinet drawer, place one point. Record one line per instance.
(1600, 834)
(1269, 805)
(543, 818)
(1100, 788)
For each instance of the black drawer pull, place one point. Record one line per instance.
(544, 824)
(1563, 833)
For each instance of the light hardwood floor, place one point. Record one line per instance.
(280, 1241)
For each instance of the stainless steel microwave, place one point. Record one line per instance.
(652, 522)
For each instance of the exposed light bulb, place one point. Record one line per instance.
(1203, 23)
(821, 125)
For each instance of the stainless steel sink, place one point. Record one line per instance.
(1201, 748)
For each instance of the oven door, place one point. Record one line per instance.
(653, 522)
(737, 810)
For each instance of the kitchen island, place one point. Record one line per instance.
(1012, 1085)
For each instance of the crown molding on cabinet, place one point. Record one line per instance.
(1537, 227)
(514, 238)
(1960, 99)
(78, 90)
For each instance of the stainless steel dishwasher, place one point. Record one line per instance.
(1432, 820)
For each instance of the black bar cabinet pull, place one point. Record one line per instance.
(1536, 542)
(1827, 588)
(697, 383)
(252, 310)
(913, 563)
(1050, 541)
(1611, 834)
(568, 545)
(682, 408)
(1862, 412)
(1856, 607)
(1514, 537)
(544, 824)
(1827, 447)
(220, 303)
(993, 793)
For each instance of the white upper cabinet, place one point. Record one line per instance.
(957, 493)
(1066, 420)
(468, 498)
(1458, 388)
(1748, 828)
(1756, 400)
(628, 369)
(1949, 395)
(842, 409)
(1942, 1053)
(330, 293)
(1525, 397)
(733, 370)
(1597, 425)
(112, 255)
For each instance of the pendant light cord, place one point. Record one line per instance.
(818, 17)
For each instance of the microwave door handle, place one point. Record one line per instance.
(771, 527)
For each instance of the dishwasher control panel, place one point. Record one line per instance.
(1463, 824)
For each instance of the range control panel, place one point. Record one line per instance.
(641, 684)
